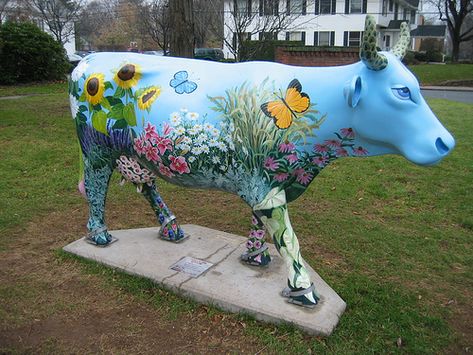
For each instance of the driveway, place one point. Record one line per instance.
(454, 94)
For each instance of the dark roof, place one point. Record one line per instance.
(414, 3)
(429, 31)
(396, 24)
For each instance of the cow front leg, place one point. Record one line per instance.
(274, 215)
(96, 181)
(257, 252)
(170, 229)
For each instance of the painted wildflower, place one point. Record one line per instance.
(341, 152)
(179, 164)
(359, 151)
(193, 116)
(165, 171)
(320, 161)
(321, 148)
(347, 133)
(74, 105)
(79, 70)
(270, 164)
(191, 159)
(175, 119)
(280, 177)
(205, 149)
(333, 143)
(303, 177)
(291, 158)
(287, 147)
(222, 147)
(215, 160)
(180, 130)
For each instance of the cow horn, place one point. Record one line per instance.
(368, 53)
(402, 45)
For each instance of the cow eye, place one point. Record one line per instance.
(402, 93)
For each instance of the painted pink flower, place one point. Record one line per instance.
(320, 161)
(140, 146)
(165, 171)
(252, 234)
(287, 147)
(341, 152)
(254, 221)
(359, 151)
(257, 244)
(179, 164)
(163, 144)
(347, 133)
(280, 177)
(165, 231)
(321, 148)
(260, 234)
(270, 164)
(151, 154)
(258, 258)
(303, 177)
(249, 244)
(167, 129)
(150, 132)
(291, 158)
(333, 143)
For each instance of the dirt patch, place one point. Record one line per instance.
(53, 306)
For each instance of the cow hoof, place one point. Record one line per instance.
(103, 239)
(304, 297)
(174, 240)
(262, 259)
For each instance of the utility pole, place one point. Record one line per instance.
(182, 28)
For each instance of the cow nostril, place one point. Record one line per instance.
(441, 146)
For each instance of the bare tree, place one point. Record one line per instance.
(182, 33)
(156, 22)
(263, 19)
(58, 15)
(455, 13)
(208, 23)
(3, 7)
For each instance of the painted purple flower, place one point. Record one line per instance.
(287, 147)
(347, 133)
(260, 234)
(291, 158)
(252, 234)
(303, 177)
(321, 148)
(249, 244)
(333, 143)
(359, 151)
(254, 221)
(341, 152)
(270, 164)
(320, 161)
(280, 177)
(257, 244)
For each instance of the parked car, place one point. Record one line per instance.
(215, 54)
(84, 53)
(154, 52)
(74, 59)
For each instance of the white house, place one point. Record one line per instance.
(329, 22)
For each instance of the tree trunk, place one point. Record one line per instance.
(182, 28)
(455, 50)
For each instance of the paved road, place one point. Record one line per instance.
(462, 96)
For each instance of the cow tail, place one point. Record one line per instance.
(81, 185)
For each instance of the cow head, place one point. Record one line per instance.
(388, 108)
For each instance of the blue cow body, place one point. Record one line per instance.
(260, 130)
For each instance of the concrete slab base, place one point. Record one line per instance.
(228, 284)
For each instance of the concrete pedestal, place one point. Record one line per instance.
(228, 283)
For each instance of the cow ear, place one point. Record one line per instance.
(353, 91)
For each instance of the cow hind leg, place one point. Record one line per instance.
(170, 229)
(274, 215)
(97, 175)
(257, 249)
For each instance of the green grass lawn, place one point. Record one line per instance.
(436, 74)
(393, 239)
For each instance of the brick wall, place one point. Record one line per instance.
(317, 56)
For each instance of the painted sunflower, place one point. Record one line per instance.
(94, 88)
(128, 75)
(146, 99)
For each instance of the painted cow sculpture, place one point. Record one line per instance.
(259, 130)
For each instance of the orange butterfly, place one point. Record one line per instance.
(283, 111)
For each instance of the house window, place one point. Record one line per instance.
(267, 36)
(396, 11)
(268, 7)
(295, 36)
(242, 7)
(413, 17)
(404, 14)
(391, 5)
(385, 8)
(297, 7)
(352, 38)
(355, 6)
(387, 42)
(324, 38)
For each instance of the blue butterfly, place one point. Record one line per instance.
(181, 84)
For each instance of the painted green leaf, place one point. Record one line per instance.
(129, 114)
(117, 111)
(82, 108)
(113, 100)
(82, 97)
(119, 92)
(97, 107)
(120, 124)
(99, 121)
(81, 117)
(108, 85)
(106, 104)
